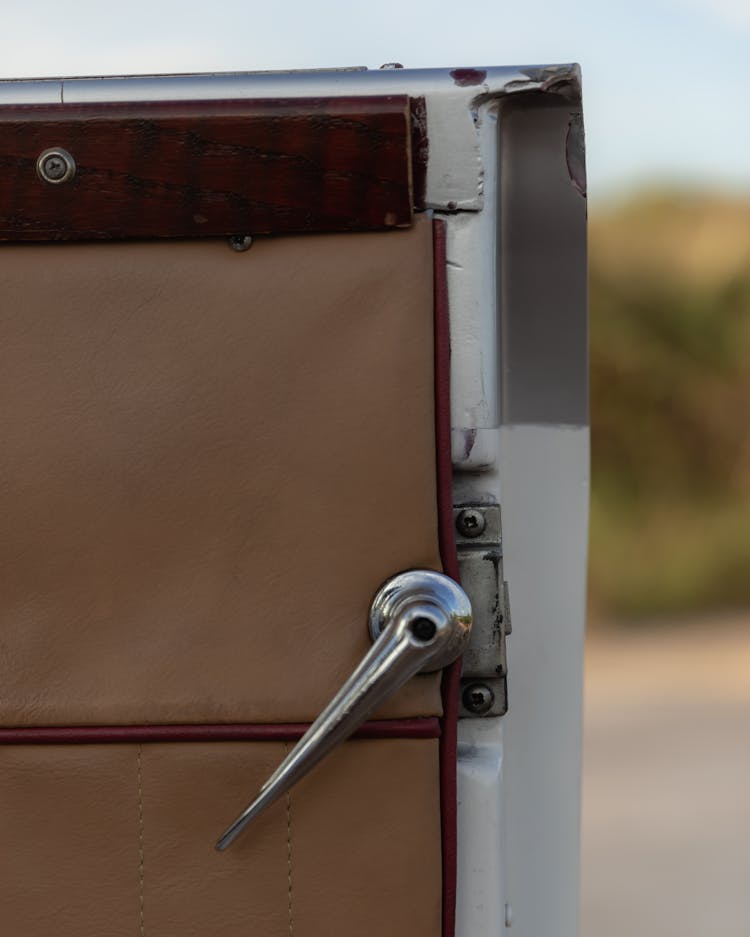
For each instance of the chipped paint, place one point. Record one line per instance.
(466, 77)
(470, 436)
(473, 450)
(562, 80)
(557, 79)
(575, 152)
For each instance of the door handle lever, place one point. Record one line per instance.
(419, 621)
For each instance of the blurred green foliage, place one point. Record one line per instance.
(670, 383)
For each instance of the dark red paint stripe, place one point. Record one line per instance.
(447, 538)
(420, 728)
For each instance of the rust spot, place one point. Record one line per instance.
(466, 77)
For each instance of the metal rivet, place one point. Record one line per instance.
(240, 242)
(55, 166)
(478, 698)
(470, 522)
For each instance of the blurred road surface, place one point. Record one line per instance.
(666, 793)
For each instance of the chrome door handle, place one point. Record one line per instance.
(420, 621)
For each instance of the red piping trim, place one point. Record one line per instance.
(420, 728)
(447, 539)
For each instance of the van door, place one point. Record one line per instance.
(242, 478)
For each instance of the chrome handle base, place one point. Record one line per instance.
(420, 621)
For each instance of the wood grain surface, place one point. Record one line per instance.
(208, 168)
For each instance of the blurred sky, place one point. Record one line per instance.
(666, 82)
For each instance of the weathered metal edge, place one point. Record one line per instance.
(454, 98)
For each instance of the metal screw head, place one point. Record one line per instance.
(240, 242)
(55, 166)
(470, 522)
(478, 698)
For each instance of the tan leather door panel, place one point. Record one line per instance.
(117, 840)
(211, 461)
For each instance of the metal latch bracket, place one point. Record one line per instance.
(479, 544)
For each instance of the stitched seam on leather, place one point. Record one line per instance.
(141, 863)
(289, 876)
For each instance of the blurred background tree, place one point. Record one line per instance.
(670, 372)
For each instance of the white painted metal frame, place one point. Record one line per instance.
(519, 775)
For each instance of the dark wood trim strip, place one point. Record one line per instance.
(208, 168)
(418, 728)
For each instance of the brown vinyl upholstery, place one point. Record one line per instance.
(210, 462)
(117, 841)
